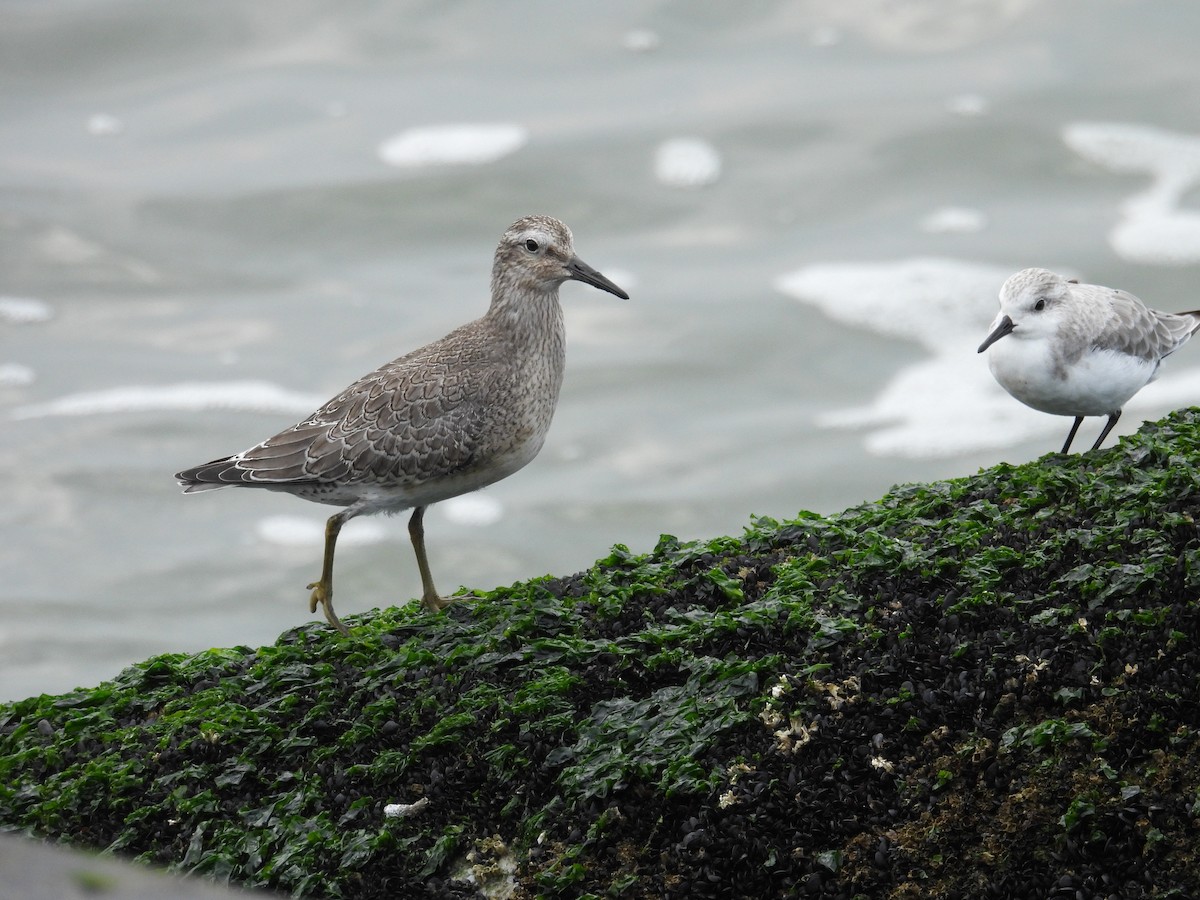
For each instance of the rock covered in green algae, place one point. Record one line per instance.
(984, 687)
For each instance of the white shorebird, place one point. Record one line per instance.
(449, 418)
(1078, 349)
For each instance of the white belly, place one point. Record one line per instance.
(1098, 384)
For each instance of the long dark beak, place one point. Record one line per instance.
(581, 271)
(1005, 327)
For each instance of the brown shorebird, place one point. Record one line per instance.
(1079, 349)
(444, 420)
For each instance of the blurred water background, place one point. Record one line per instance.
(215, 215)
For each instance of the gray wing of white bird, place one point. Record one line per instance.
(1134, 328)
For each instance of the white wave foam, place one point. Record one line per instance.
(15, 375)
(968, 105)
(687, 163)
(252, 396)
(1152, 228)
(24, 310)
(935, 302)
(300, 531)
(942, 406)
(641, 40)
(104, 125)
(954, 220)
(442, 145)
(473, 509)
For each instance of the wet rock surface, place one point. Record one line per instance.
(984, 687)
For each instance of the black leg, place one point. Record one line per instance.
(1071, 436)
(1108, 426)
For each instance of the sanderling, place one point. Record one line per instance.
(449, 418)
(1078, 349)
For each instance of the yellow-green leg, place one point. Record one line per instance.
(322, 591)
(430, 598)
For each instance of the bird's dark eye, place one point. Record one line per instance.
(1040, 305)
(531, 245)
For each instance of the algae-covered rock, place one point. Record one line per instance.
(984, 687)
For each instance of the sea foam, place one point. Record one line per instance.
(253, 396)
(24, 310)
(687, 163)
(1153, 227)
(302, 531)
(452, 145)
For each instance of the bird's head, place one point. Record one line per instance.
(536, 255)
(1032, 305)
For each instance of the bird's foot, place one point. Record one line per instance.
(322, 593)
(434, 602)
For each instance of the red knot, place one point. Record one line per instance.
(455, 415)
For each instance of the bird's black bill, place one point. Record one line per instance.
(1005, 327)
(581, 271)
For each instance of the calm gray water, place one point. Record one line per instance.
(213, 216)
